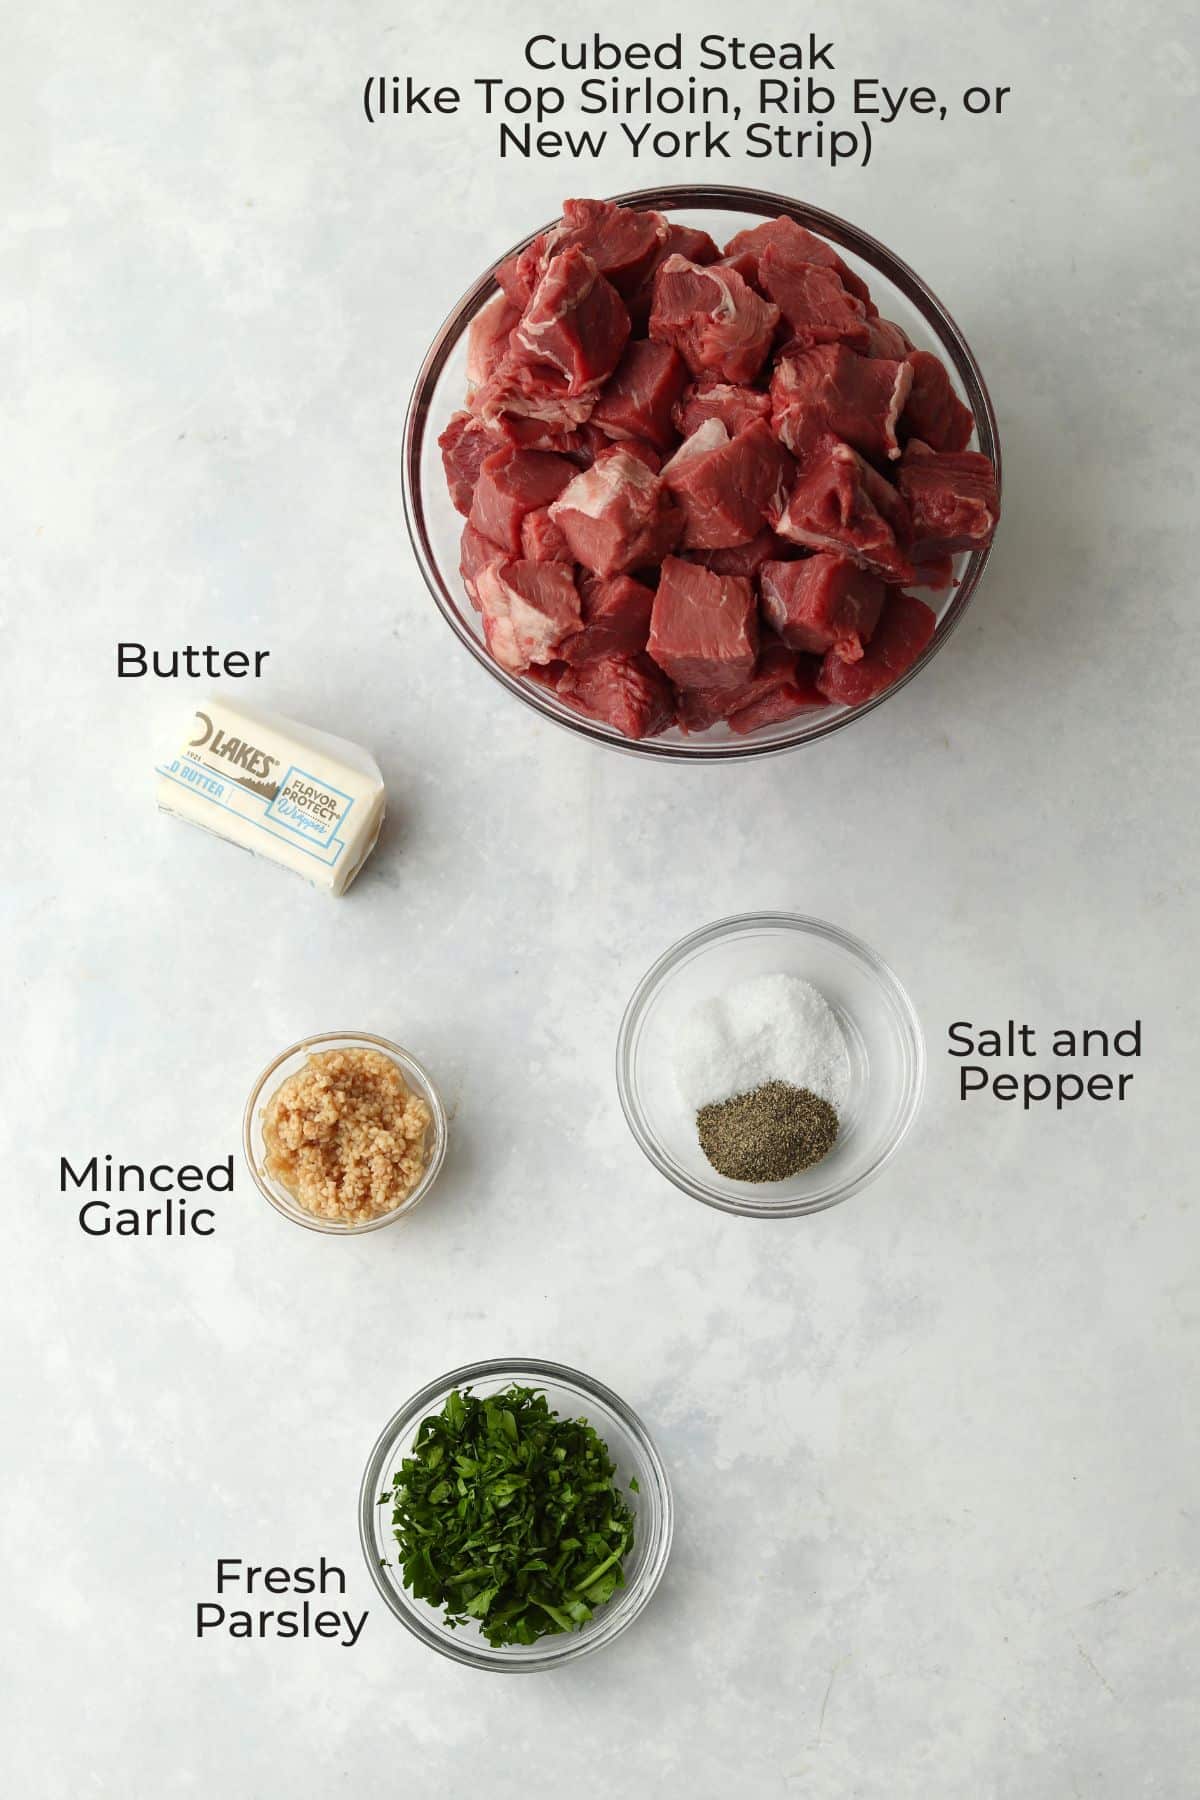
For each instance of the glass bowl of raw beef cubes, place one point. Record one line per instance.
(701, 472)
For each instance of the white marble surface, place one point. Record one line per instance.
(934, 1452)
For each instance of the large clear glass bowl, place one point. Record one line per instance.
(573, 1396)
(435, 527)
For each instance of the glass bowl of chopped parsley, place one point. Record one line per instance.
(515, 1515)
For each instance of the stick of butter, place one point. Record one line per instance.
(310, 801)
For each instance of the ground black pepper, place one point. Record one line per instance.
(772, 1132)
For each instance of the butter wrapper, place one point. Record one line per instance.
(300, 797)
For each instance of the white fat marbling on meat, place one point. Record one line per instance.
(592, 492)
(706, 437)
(900, 392)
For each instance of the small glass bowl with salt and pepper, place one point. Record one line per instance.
(809, 1125)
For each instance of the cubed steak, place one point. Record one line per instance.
(623, 243)
(696, 482)
(575, 327)
(464, 445)
(487, 339)
(541, 539)
(830, 390)
(641, 397)
(475, 552)
(792, 241)
(796, 692)
(903, 632)
(824, 603)
(933, 412)
(745, 264)
(523, 431)
(885, 338)
(617, 515)
(934, 572)
(816, 305)
(841, 503)
(719, 325)
(568, 341)
(736, 407)
(681, 240)
(616, 619)
(512, 483)
(777, 684)
(747, 559)
(528, 609)
(704, 627)
(952, 499)
(627, 692)
(726, 486)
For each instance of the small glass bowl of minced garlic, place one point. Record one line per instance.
(344, 1133)
(823, 1071)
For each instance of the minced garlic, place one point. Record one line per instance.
(345, 1136)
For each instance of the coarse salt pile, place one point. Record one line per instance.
(769, 1028)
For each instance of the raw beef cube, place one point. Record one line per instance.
(617, 515)
(512, 483)
(626, 692)
(800, 694)
(824, 603)
(951, 497)
(567, 343)
(464, 445)
(816, 306)
(902, 634)
(704, 627)
(530, 407)
(887, 339)
(830, 390)
(622, 242)
(718, 324)
(780, 685)
(745, 264)
(487, 339)
(616, 619)
(575, 327)
(736, 407)
(792, 240)
(645, 453)
(546, 675)
(841, 503)
(528, 609)
(541, 539)
(935, 572)
(519, 274)
(746, 559)
(524, 432)
(699, 707)
(689, 241)
(727, 486)
(933, 412)
(681, 240)
(475, 553)
(640, 398)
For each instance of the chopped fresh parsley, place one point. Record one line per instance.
(506, 1514)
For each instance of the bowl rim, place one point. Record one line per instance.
(413, 1070)
(707, 935)
(763, 204)
(551, 1651)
